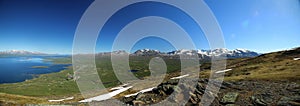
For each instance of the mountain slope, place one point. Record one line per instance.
(281, 65)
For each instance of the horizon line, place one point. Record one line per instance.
(96, 52)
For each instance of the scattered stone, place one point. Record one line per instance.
(203, 80)
(138, 103)
(257, 101)
(199, 91)
(252, 93)
(287, 101)
(143, 97)
(226, 85)
(260, 102)
(283, 101)
(294, 87)
(230, 98)
(168, 89)
(178, 97)
(128, 100)
(69, 76)
(172, 82)
(200, 87)
(194, 98)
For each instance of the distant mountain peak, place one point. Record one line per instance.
(120, 52)
(20, 52)
(147, 52)
(242, 50)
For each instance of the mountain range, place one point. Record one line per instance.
(237, 53)
(20, 53)
(202, 53)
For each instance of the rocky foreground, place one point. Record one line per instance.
(253, 93)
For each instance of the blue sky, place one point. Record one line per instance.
(49, 25)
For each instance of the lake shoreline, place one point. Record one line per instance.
(23, 68)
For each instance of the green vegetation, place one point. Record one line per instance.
(39, 90)
(54, 84)
(107, 75)
(66, 60)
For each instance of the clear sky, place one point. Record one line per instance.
(49, 25)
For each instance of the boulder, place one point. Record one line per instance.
(230, 98)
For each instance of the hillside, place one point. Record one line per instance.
(282, 65)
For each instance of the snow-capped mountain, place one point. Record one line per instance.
(237, 53)
(242, 53)
(120, 52)
(20, 52)
(147, 52)
(183, 52)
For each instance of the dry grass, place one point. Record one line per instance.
(17, 99)
(273, 66)
(12, 99)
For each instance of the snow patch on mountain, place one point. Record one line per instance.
(237, 53)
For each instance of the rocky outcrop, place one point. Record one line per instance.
(255, 93)
(173, 93)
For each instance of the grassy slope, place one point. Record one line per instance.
(272, 66)
(17, 99)
(136, 63)
(54, 84)
(66, 60)
(39, 90)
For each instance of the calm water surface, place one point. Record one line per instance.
(19, 69)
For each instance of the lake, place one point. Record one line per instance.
(19, 69)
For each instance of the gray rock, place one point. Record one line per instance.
(289, 101)
(260, 102)
(230, 105)
(194, 98)
(128, 100)
(229, 98)
(172, 81)
(138, 103)
(257, 101)
(200, 87)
